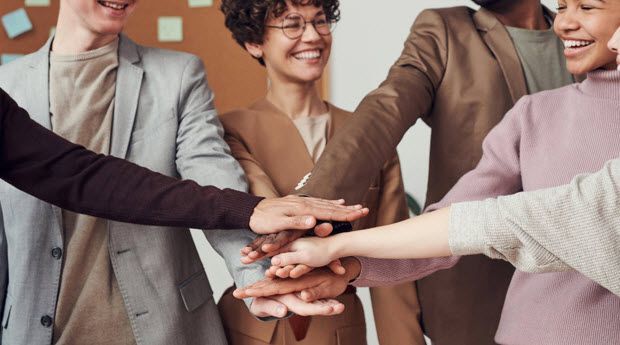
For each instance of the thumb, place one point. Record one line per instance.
(323, 229)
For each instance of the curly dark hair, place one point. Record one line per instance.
(246, 18)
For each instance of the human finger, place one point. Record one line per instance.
(299, 271)
(265, 307)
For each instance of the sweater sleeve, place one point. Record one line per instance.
(48, 167)
(497, 173)
(575, 226)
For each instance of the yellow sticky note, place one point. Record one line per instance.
(170, 29)
(200, 3)
(37, 3)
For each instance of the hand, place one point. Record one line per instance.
(309, 251)
(279, 306)
(292, 271)
(300, 213)
(323, 307)
(320, 283)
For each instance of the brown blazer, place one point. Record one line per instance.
(274, 156)
(460, 73)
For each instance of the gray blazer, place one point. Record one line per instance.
(165, 120)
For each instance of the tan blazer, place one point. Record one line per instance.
(460, 73)
(274, 156)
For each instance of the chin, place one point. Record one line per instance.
(110, 29)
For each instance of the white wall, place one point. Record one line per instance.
(367, 41)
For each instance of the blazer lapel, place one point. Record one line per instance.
(128, 84)
(498, 40)
(293, 160)
(38, 86)
(38, 104)
(339, 118)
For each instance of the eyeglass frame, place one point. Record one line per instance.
(330, 23)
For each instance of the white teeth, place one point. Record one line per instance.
(574, 43)
(113, 5)
(307, 55)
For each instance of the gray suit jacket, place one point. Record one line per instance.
(164, 120)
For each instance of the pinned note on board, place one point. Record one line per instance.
(200, 3)
(37, 3)
(170, 29)
(16, 23)
(6, 58)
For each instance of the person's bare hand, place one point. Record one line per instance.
(297, 271)
(279, 306)
(300, 213)
(263, 245)
(266, 307)
(320, 283)
(323, 307)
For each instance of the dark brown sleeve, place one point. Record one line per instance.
(353, 157)
(48, 167)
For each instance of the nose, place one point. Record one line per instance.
(614, 42)
(310, 34)
(565, 21)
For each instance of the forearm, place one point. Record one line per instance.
(43, 164)
(400, 252)
(425, 236)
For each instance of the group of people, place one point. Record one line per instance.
(519, 99)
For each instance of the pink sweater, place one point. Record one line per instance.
(544, 141)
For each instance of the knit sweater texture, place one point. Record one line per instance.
(544, 141)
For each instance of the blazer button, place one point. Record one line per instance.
(46, 321)
(57, 253)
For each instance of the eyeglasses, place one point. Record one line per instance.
(294, 25)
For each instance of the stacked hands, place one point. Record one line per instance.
(306, 273)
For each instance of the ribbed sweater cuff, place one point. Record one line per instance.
(471, 224)
(238, 208)
(362, 280)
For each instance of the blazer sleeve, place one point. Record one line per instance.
(396, 308)
(575, 226)
(259, 182)
(352, 158)
(203, 156)
(497, 173)
(52, 169)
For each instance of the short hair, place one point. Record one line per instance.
(246, 18)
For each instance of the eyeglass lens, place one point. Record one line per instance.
(294, 25)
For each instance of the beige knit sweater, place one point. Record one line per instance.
(575, 226)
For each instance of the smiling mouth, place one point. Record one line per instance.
(308, 55)
(576, 44)
(113, 5)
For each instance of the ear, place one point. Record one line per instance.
(254, 49)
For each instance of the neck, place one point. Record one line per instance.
(296, 100)
(72, 37)
(524, 14)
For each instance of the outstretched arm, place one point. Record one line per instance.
(47, 166)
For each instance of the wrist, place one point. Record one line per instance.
(335, 249)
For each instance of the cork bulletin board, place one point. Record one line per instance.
(236, 78)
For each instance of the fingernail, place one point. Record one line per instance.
(308, 221)
(281, 311)
(275, 261)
